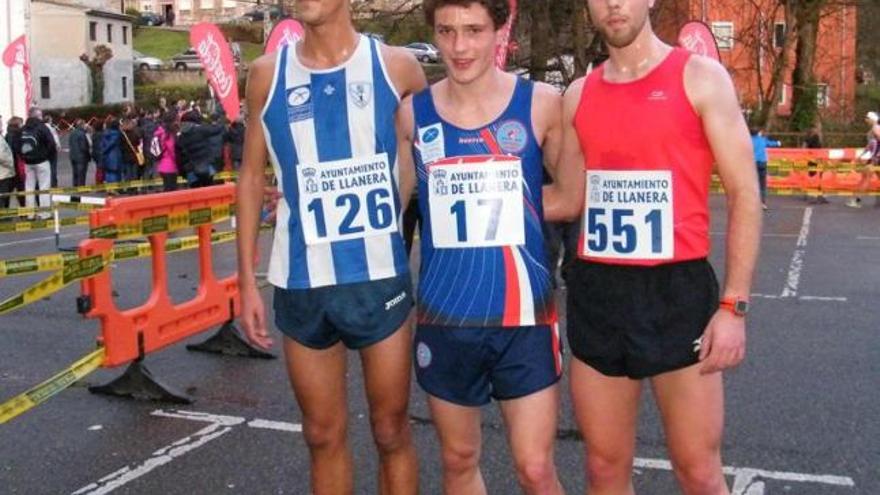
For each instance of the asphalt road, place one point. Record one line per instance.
(801, 411)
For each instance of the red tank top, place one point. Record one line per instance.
(648, 166)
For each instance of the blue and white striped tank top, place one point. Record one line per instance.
(331, 140)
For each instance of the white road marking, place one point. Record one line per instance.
(159, 458)
(867, 238)
(747, 481)
(768, 234)
(276, 425)
(802, 298)
(797, 259)
(40, 239)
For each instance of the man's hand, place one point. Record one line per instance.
(723, 344)
(271, 195)
(253, 318)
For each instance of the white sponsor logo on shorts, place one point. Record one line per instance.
(698, 344)
(394, 302)
(423, 355)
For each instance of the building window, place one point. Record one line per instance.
(823, 98)
(109, 33)
(779, 35)
(783, 95)
(723, 32)
(124, 87)
(124, 35)
(93, 31)
(44, 88)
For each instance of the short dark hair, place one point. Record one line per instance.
(499, 10)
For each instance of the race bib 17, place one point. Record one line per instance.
(476, 202)
(628, 215)
(346, 199)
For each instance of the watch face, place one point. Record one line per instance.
(741, 307)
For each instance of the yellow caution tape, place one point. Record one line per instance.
(164, 223)
(22, 212)
(42, 392)
(49, 223)
(79, 269)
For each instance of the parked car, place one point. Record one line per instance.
(150, 19)
(187, 60)
(424, 52)
(143, 62)
(257, 15)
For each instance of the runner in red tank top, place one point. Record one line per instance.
(642, 134)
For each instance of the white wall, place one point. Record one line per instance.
(13, 23)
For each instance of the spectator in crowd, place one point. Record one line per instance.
(53, 156)
(163, 107)
(13, 137)
(148, 125)
(111, 151)
(760, 143)
(7, 172)
(97, 133)
(163, 146)
(80, 152)
(235, 140)
(813, 140)
(870, 158)
(217, 140)
(37, 148)
(132, 156)
(195, 152)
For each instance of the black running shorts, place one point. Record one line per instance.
(638, 321)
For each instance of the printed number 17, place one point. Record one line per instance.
(460, 211)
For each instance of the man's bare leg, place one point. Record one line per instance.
(318, 379)
(387, 374)
(692, 406)
(458, 428)
(531, 430)
(606, 409)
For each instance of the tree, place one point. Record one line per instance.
(95, 64)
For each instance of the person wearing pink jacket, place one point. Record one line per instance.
(162, 146)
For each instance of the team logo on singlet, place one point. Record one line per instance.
(431, 144)
(299, 103)
(423, 355)
(441, 188)
(512, 136)
(311, 184)
(360, 93)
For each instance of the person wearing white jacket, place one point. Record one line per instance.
(7, 172)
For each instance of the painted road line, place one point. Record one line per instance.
(802, 298)
(770, 234)
(867, 238)
(797, 259)
(159, 458)
(41, 239)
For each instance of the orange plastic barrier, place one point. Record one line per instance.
(807, 154)
(129, 335)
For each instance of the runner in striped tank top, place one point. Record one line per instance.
(322, 112)
(486, 318)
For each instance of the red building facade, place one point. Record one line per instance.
(752, 35)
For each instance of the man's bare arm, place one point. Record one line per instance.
(711, 91)
(249, 199)
(547, 123)
(404, 125)
(405, 71)
(564, 198)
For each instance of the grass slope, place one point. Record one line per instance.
(165, 43)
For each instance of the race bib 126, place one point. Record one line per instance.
(476, 202)
(628, 215)
(346, 199)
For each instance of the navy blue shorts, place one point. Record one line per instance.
(359, 315)
(469, 366)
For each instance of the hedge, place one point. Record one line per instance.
(148, 96)
(242, 31)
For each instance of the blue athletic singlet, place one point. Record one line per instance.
(483, 261)
(331, 140)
